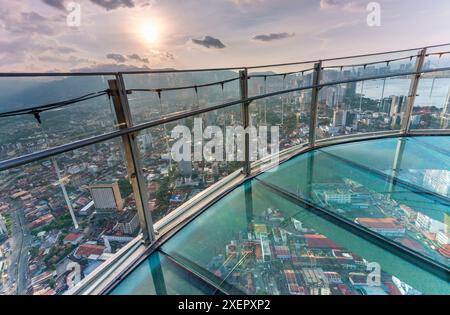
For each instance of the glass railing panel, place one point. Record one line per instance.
(171, 182)
(368, 66)
(149, 105)
(56, 230)
(416, 160)
(411, 215)
(432, 104)
(159, 275)
(24, 134)
(437, 57)
(267, 80)
(361, 107)
(289, 114)
(261, 243)
(437, 143)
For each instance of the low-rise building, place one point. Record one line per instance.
(89, 251)
(73, 238)
(384, 226)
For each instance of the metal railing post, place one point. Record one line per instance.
(245, 113)
(124, 120)
(406, 121)
(314, 103)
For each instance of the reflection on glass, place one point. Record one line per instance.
(159, 275)
(289, 112)
(171, 183)
(147, 104)
(432, 105)
(361, 107)
(281, 248)
(394, 187)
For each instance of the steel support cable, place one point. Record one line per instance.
(159, 90)
(36, 110)
(284, 74)
(369, 63)
(440, 53)
(338, 66)
(59, 74)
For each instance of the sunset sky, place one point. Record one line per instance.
(118, 34)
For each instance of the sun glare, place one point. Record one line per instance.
(149, 32)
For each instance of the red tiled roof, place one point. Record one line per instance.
(320, 241)
(344, 289)
(72, 237)
(379, 223)
(413, 244)
(393, 290)
(445, 250)
(87, 250)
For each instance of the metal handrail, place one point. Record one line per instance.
(21, 160)
(113, 73)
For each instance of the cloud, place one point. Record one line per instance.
(148, 3)
(154, 55)
(326, 4)
(273, 36)
(114, 4)
(138, 58)
(247, 2)
(346, 5)
(57, 4)
(116, 57)
(162, 55)
(209, 42)
(26, 51)
(106, 67)
(64, 49)
(29, 23)
(71, 60)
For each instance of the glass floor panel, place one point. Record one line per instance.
(415, 160)
(358, 189)
(158, 275)
(255, 240)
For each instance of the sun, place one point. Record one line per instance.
(149, 33)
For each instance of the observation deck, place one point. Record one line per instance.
(354, 199)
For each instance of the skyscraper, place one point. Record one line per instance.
(438, 181)
(339, 118)
(107, 196)
(397, 109)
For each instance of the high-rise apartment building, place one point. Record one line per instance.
(339, 118)
(107, 196)
(438, 181)
(396, 111)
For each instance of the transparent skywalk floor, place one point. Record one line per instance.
(366, 217)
